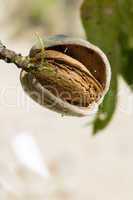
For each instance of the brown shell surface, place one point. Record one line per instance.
(71, 78)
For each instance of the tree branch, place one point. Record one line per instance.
(10, 56)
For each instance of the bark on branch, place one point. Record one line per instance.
(10, 56)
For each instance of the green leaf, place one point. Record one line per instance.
(106, 112)
(127, 64)
(108, 107)
(101, 21)
(126, 41)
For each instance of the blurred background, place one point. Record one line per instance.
(42, 154)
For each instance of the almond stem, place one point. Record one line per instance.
(9, 56)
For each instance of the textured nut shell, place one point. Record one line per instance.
(59, 105)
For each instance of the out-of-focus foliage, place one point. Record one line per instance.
(43, 16)
(109, 25)
(31, 12)
(126, 40)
